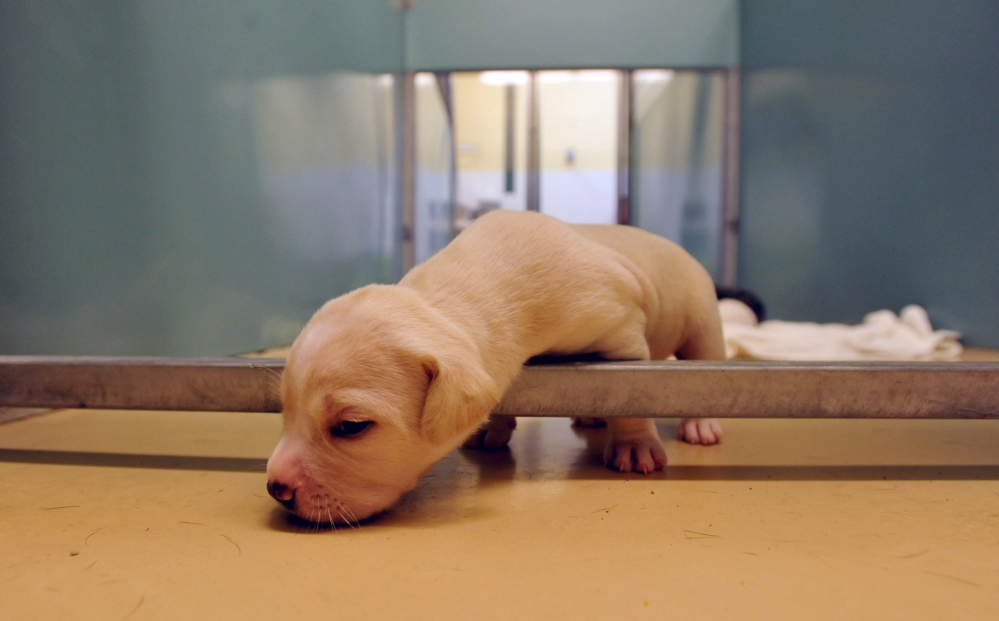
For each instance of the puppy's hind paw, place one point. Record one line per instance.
(639, 455)
(704, 431)
(494, 435)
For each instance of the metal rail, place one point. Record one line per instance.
(208, 384)
(606, 389)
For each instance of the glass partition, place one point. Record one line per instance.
(490, 114)
(191, 178)
(677, 159)
(433, 205)
(577, 125)
(646, 147)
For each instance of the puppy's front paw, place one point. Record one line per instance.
(635, 454)
(583, 421)
(704, 431)
(494, 435)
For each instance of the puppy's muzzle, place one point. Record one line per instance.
(282, 493)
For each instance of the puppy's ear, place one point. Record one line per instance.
(459, 398)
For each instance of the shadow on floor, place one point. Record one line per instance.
(128, 460)
(496, 467)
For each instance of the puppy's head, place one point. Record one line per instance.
(377, 388)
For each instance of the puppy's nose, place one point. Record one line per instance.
(282, 493)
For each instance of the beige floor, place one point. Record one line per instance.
(163, 515)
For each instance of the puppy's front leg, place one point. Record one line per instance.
(634, 445)
(495, 434)
(704, 431)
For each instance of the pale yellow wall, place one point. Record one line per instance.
(579, 111)
(579, 114)
(480, 124)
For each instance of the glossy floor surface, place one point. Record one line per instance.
(163, 515)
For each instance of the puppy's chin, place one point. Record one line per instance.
(324, 488)
(324, 507)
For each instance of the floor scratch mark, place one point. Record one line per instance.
(693, 534)
(239, 549)
(954, 578)
(134, 610)
(92, 533)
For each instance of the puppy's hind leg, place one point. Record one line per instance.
(706, 431)
(706, 343)
(633, 444)
(493, 435)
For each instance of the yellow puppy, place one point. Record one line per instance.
(386, 380)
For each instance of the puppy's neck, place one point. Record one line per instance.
(487, 330)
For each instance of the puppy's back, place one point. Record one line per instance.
(529, 260)
(687, 321)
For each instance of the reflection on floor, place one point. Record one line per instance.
(163, 515)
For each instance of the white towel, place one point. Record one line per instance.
(882, 336)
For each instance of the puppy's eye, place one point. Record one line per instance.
(349, 428)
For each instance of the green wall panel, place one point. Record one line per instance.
(526, 34)
(190, 177)
(870, 157)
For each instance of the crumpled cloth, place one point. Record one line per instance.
(883, 335)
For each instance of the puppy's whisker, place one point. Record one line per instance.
(330, 515)
(310, 520)
(350, 514)
(347, 518)
(341, 508)
(273, 377)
